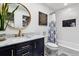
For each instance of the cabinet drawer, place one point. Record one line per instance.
(27, 47)
(23, 45)
(27, 54)
(23, 49)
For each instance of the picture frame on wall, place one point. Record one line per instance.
(69, 23)
(42, 19)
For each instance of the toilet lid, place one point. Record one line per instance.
(51, 44)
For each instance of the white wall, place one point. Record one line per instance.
(68, 36)
(34, 9)
(33, 26)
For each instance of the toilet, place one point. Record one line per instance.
(52, 47)
(50, 41)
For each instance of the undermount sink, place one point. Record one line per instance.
(28, 35)
(24, 35)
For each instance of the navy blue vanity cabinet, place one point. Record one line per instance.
(6, 51)
(30, 48)
(23, 49)
(39, 47)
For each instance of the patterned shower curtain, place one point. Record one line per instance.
(52, 32)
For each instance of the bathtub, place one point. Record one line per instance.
(67, 48)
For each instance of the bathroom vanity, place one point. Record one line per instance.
(23, 46)
(20, 45)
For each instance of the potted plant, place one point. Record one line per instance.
(4, 7)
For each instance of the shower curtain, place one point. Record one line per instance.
(52, 32)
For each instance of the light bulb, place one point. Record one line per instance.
(65, 4)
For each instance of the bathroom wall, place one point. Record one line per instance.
(34, 8)
(68, 36)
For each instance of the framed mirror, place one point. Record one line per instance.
(21, 17)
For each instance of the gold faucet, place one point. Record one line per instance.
(19, 33)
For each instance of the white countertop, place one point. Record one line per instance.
(16, 40)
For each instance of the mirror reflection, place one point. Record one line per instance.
(21, 16)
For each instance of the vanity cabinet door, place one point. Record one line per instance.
(39, 47)
(5, 51)
(23, 49)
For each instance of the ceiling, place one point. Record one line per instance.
(57, 6)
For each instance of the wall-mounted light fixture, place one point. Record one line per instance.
(65, 4)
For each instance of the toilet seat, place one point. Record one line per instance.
(51, 46)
